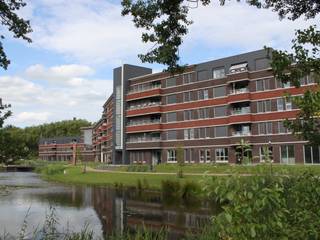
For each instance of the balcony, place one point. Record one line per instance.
(242, 110)
(144, 137)
(144, 87)
(241, 133)
(144, 105)
(143, 122)
(241, 130)
(239, 91)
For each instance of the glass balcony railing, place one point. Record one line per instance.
(144, 105)
(143, 88)
(243, 110)
(143, 122)
(241, 133)
(239, 91)
(143, 139)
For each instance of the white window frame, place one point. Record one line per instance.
(224, 158)
(312, 157)
(171, 156)
(287, 154)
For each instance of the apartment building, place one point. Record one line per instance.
(102, 134)
(209, 109)
(67, 148)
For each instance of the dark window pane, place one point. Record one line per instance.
(219, 91)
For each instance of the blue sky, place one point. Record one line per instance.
(66, 72)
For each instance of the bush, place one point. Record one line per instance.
(53, 169)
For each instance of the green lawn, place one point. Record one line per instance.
(74, 175)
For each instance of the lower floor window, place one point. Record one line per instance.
(171, 156)
(266, 153)
(287, 154)
(311, 154)
(221, 155)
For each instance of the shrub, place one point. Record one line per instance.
(53, 169)
(138, 168)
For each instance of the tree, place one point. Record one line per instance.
(4, 113)
(244, 149)
(15, 24)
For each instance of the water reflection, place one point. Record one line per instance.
(106, 209)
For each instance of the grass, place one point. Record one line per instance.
(74, 175)
(226, 168)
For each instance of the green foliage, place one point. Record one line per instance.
(138, 168)
(16, 25)
(4, 113)
(265, 207)
(244, 152)
(53, 169)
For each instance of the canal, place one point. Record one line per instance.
(24, 195)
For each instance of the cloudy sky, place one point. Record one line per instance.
(66, 72)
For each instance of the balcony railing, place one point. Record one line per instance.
(239, 91)
(243, 110)
(144, 105)
(143, 139)
(241, 133)
(143, 122)
(144, 88)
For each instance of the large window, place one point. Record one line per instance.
(281, 84)
(172, 99)
(221, 131)
(220, 111)
(203, 94)
(172, 135)
(311, 154)
(282, 128)
(172, 117)
(263, 84)
(187, 114)
(264, 106)
(204, 156)
(187, 78)
(221, 155)
(187, 96)
(171, 82)
(171, 156)
(265, 128)
(189, 133)
(218, 73)
(219, 91)
(202, 75)
(266, 153)
(284, 104)
(287, 154)
(203, 113)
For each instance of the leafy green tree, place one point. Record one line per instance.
(244, 150)
(4, 112)
(13, 23)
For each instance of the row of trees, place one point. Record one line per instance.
(21, 143)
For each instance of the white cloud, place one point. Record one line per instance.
(31, 116)
(87, 31)
(240, 26)
(33, 101)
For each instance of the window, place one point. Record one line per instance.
(202, 75)
(171, 155)
(218, 73)
(203, 94)
(288, 104)
(265, 128)
(220, 111)
(171, 82)
(172, 117)
(187, 96)
(201, 155)
(187, 114)
(208, 155)
(203, 113)
(221, 131)
(189, 133)
(282, 128)
(204, 155)
(311, 154)
(172, 135)
(208, 132)
(202, 132)
(287, 154)
(306, 80)
(172, 99)
(281, 84)
(237, 68)
(263, 84)
(219, 91)
(280, 104)
(187, 78)
(266, 153)
(221, 155)
(264, 106)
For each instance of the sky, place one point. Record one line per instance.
(66, 71)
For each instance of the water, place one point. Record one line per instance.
(106, 210)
